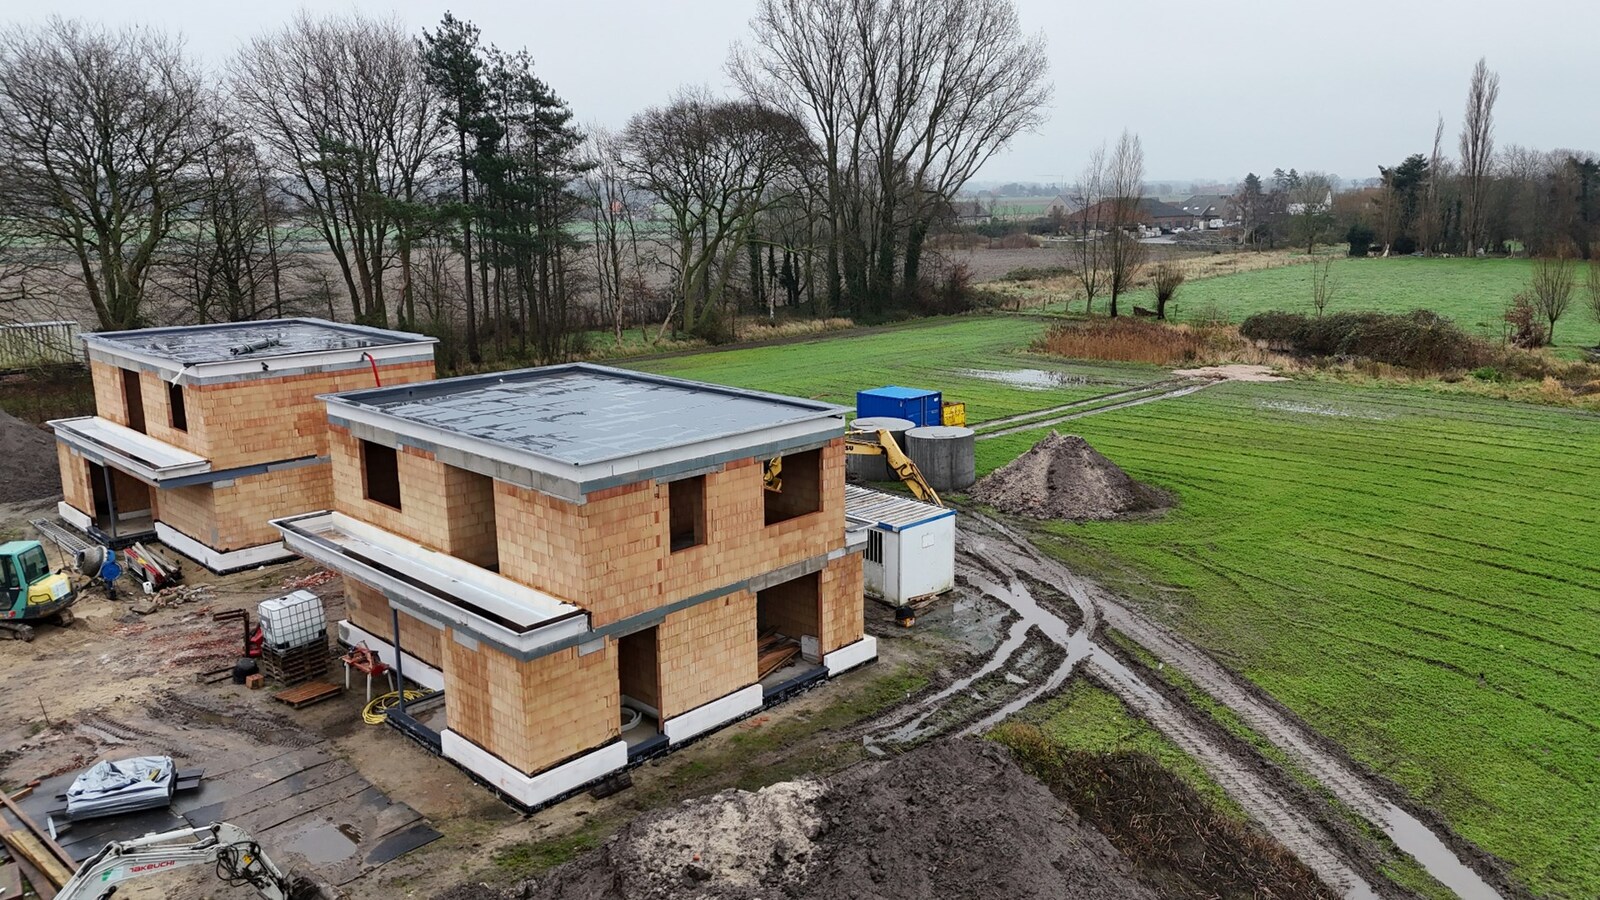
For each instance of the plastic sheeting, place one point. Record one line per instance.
(113, 787)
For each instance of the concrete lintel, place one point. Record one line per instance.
(711, 715)
(544, 787)
(790, 572)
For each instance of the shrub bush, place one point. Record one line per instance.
(1420, 340)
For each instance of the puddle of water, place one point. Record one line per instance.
(970, 619)
(1029, 379)
(1417, 839)
(1322, 409)
(323, 843)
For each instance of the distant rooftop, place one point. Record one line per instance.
(200, 344)
(582, 414)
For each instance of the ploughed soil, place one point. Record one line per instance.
(1062, 477)
(954, 819)
(28, 464)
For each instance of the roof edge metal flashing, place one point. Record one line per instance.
(144, 457)
(435, 594)
(244, 367)
(571, 481)
(462, 383)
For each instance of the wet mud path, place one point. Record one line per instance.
(1000, 563)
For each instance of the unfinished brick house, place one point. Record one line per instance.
(202, 435)
(588, 562)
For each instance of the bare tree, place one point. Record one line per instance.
(1430, 221)
(341, 106)
(1126, 253)
(231, 259)
(1166, 281)
(1088, 248)
(1323, 284)
(612, 201)
(1310, 207)
(98, 131)
(714, 165)
(905, 101)
(1591, 285)
(1550, 289)
(1477, 150)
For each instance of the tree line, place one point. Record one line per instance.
(433, 181)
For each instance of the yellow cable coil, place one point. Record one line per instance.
(377, 709)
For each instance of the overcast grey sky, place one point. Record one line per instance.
(1214, 87)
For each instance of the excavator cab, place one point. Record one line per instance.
(28, 589)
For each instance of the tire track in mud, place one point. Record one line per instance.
(1245, 783)
(1181, 390)
(1002, 547)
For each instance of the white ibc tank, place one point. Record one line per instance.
(292, 621)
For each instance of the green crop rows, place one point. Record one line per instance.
(1414, 574)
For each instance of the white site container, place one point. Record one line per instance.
(293, 621)
(911, 545)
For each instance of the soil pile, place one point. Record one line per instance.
(28, 465)
(954, 819)
(1062, 477)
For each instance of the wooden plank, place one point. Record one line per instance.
(309, 693)
(41, 885)
(10, 882)
(29, 847)
(27, 823)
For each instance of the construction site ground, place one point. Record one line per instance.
(326, 790)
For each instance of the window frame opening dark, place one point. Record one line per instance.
(686, 513)
(380, 474)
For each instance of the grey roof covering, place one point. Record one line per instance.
(583, 413)
(199, 344)
(1216, 206)
(890, 512)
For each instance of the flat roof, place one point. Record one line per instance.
(581, 414)
(244, 341)
(897, 392)
(890, 512)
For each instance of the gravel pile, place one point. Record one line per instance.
(956, 820)
(28, 465)
(1062, 477)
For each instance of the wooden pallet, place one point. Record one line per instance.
(297, 666)
(308, 694)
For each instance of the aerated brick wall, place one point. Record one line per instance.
(244, 506)
(250, 421)
(610, 555)
(191, 510)
(843, 608)
(532, 715)
(367, 609)
(441, 507)
(707, 651)
(74, 479)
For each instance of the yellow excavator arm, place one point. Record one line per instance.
(883, 444)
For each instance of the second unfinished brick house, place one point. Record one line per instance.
(589, 562)
(203, 434)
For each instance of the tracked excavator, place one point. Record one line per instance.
(235, 854)
(867, 443)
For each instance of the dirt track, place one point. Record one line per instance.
(990, 549)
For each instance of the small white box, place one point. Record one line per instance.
(292, 621)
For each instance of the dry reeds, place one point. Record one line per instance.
(1144, 341)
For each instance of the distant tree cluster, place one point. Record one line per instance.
(342, 166)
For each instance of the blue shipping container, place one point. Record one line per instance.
(920, 406)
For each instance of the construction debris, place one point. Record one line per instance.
(175, 596)
(1062, 477)
(774, 652)
(150, 567)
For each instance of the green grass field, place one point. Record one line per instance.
(1412, 573)
(1473, 292)
(966, 358)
